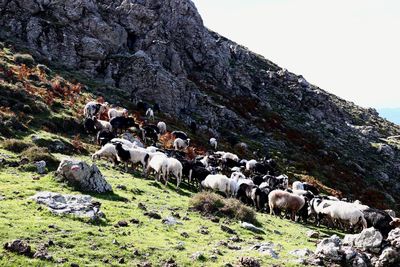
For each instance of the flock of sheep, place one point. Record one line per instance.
(253, 182)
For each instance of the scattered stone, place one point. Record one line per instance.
(121, 187)
(20, 247)
(235, 238)
(185, 234)
(329, 248)
(197, 256)
(78, 205)
(222, 243)
(136, 252)
(394, 238)
(170, 263)
(176, 215)
(214, 219)
(228, 230)
(74, 265)
(369, 239)
(61, 260)
(42, 254)
(52, 226)
(301, 252)
(233, 247)
(115, 242)
(249, 262)
(185, 218)
(203, 230)
(135, 221)
(121, 261)
(180, 246)
(85, 177)
(144, 264)
(153, 215)
(41, 167)
(251, 227)
(142, 206)
(313, 234)
(277, 232)
(266, 248)
(23, 161)
(122, 224)
(170, 221)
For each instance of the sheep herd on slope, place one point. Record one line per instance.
(254, 182)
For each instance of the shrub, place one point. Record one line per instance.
(16, 145)
(24, 59)
(213, 204)
(40, 153)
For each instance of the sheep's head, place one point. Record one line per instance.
(395, 222)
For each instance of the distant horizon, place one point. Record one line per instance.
(354, 57)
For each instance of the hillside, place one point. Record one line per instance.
(160, 51)
(50, 120)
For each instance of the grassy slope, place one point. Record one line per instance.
(88, 244)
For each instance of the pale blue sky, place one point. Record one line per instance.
(348, 47)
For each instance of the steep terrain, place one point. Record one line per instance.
(161, 52)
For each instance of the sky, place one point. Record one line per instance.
(350, 48)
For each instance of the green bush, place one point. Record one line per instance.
(16, 145)
(213, 204)
(24, 59)
(35, 153)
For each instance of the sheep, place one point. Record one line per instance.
(316, 208)
(123, 123)
(108, 152)
(179, 134)
(125, 142)
(151, 149)
(247, 194)
(132, 155)
(156, 163)
(89, 125)
(231, 156)
(113, 113)
(213, 143)
(180, 144)
(311, 188)
(297, 185)
(280, 182)
(104, 136)
(279, 199)
(94, 109)
(218, 182)
(150, 114)
(379, 219)
(250, 165)
(142, 106)
(175, 167)
(102, 125)
(162, 127)
(345, 212)
(149, 133)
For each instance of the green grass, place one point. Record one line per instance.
(88, 244)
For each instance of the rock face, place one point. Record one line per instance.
(78, 205)
(80, 174)
(160, 51)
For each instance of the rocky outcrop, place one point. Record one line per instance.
(160, 51)
(77, 205)
(84, 177)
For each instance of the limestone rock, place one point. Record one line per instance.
(86, 178)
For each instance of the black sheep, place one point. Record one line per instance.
(142, 106)
(379, 219)
(244, 193)
(154, 127)
(124, 155)
(104, 136)
(89, 125)
(149, 133)
(311, 188)
(179, 134)
(123, 123)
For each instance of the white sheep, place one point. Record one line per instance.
(297, 185)
(218, 182)
(102, 125)
(152, 149)
(175, 167)
(94, 109)
(113, 112)
(231, 156)
(239, 179)
(162, 127)
(156, 163)
(124, 142)
(150, 114)
(181, 144)
(108, 152)
(213, 143)
(251, 164)
(345, 212)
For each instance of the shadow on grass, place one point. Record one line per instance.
(108, 196)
